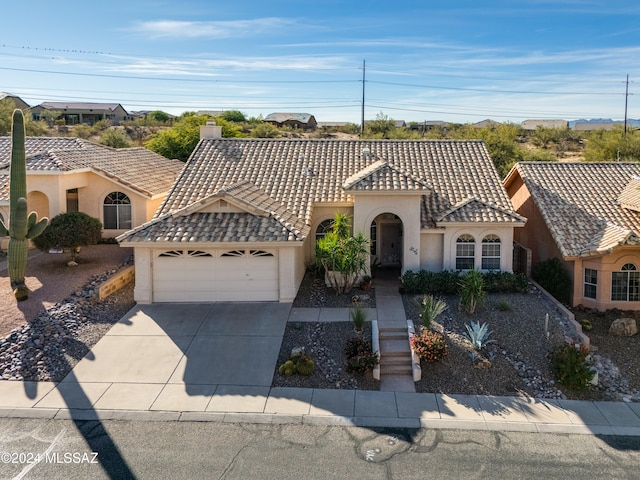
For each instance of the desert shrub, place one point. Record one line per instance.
(360, 355)
(447, 282)
(472, 292)
(554, 278)
(505, 282)
(430, 308)
(570, 367)
(429, 346)
(69, 231)
(431, 283)
(503, 305)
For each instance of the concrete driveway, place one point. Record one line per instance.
(187, 348)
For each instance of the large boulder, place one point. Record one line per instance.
(623, 327)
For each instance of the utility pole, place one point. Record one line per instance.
(363, 80)
(626, 102)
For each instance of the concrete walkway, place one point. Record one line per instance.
(394, 343)
(215, 362)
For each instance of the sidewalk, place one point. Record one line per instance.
(238, 404)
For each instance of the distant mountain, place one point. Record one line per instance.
(630, 121)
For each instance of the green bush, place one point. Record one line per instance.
(447, 282)
(429, 346)
(554, 278)
(69, 231)
(472, 292)
(358, 316)
(570, 367)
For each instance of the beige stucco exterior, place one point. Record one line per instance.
(605, 266)
(47, 195)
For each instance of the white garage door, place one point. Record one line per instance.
(216, 275)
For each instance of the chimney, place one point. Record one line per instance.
(210, 130)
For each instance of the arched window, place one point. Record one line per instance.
(491, 252)
(465, 252)
(625, 284)
(323, 228)
(117, 211)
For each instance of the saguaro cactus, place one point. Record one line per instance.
(22, 227)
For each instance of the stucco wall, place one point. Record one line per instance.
(605, 266)
(478, 232)
(407, 207)
(432, 251)
(92, 190)
(535, 235)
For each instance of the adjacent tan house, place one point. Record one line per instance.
(585, 214)
(242, 219)
(121, 187)
(75, 113)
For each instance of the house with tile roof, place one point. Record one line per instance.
(587, 215)
(121, 187)
(304, 121)
(243, 217)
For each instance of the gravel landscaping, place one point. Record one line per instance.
(48, 347)
(520, 364)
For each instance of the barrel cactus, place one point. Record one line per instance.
(22, 226)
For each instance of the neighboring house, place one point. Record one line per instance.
(534, 124)
(121, 187)
(487, 123)
(17, 101)
(426, 126)
(304, 121)
(585, 214)
(241, 221)
(75, 113)
(590, 126)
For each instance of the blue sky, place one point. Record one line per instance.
(459, 61)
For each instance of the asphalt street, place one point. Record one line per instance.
(64, 449)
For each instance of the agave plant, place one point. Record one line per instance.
(478, 335)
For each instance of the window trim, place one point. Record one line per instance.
(121, 199)
(593, 284)
(465, 240)
(491, 240)
(629, 272)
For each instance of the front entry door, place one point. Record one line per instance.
(391, 244)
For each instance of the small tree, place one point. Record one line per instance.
(343, 256)
(70, 231)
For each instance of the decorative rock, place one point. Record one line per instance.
(297, 351)
(481, 363)
(623, 327)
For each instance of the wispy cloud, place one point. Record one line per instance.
(212, 29)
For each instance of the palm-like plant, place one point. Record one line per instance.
(340, 252)
(472, 293)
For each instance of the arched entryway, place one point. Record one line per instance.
(38, 202)
(386, 240)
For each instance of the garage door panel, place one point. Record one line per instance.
(239, 275)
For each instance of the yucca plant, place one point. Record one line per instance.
(478, 335)
(430, 308)
(472, 293)
(358, 316)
